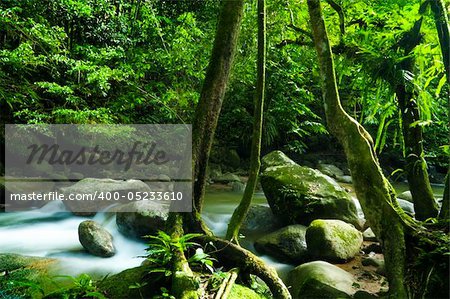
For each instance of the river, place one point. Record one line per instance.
(48, 232)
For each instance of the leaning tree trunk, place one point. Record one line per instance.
(376, 195)
(204, 126)
(212, 94)
(255, 163)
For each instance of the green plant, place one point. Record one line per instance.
(24, 287)
(165, 294)
(81, 286)
(160, 252)
(200, 258)
(138, 286)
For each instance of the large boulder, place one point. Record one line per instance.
(287, 244)
(95, 239)
(298, 195)
(333, 240)
(320, 280)
(141, 218)
(94, 186)
(260, 219)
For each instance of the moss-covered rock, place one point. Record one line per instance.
(118, 285)
(275, 158)
(298, 195)
(320, 280)
(240, 292)
(17, 271)
(333, 240)
(287, 244)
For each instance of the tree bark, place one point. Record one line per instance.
(416, 167)
(212, 94)
(184, 285)
(445, 209)
(241, 211)
(374, 192)
(443, 29)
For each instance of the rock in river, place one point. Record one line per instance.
(298, 195)
(320, 280)
(94, 186)
(141, 218)
(260, 219)
(286, 244)
(333, 240)
(95, 239)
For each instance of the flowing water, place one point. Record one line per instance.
(48, 232)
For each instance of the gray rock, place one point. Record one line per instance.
(368, 235)
(92, 186)
(331, 170)
(141, 218)
(95, 239)
(275, 158)
(406, 196)
(320, 280)
(372, 261)
(237, 187)
(333, 240)
(406, 206)
(345, 179)
(298, 195)
(260, 219)
(227, 178)
(286, 244)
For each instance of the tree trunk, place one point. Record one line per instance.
(443, 29)
(416, 167)
(255, 163)
(445, 209)
(184, 285)
(374, 192)
(213, 91)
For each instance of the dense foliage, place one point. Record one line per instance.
(102, 61)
